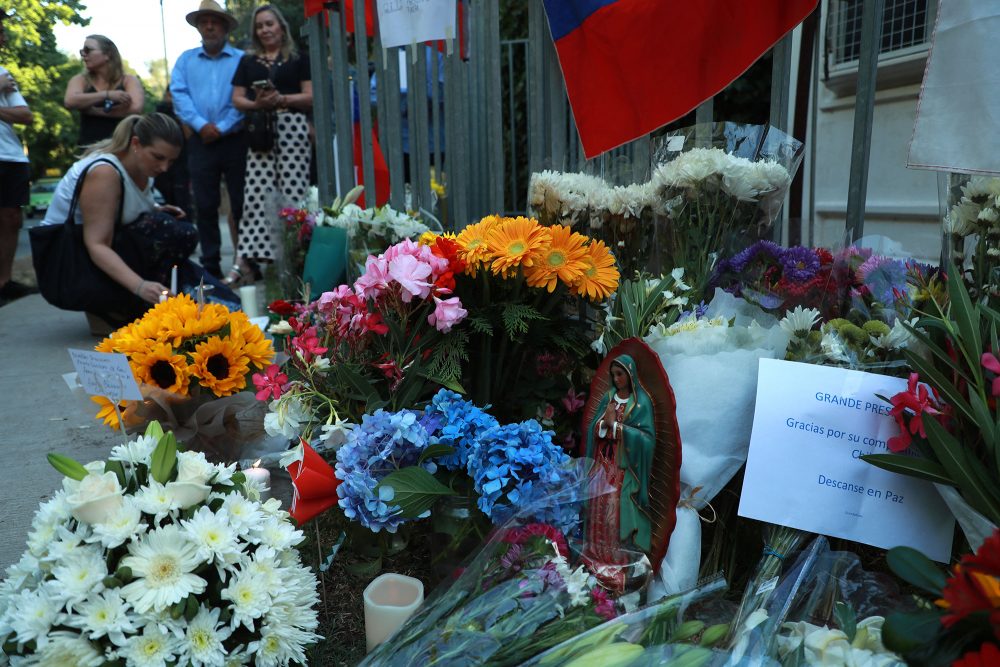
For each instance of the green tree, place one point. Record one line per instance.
(292, 10)
(42, 73)
(156, 83)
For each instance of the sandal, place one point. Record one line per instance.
(238, 277)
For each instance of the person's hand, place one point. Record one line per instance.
(119, 97)
(209, 133)
(150, 291)
(268, 99)
(7, 83)
(609, 416)
(175, 211)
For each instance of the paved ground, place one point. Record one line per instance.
(38, 413)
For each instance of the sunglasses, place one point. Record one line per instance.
(87, 49)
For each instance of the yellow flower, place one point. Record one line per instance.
(220, 366)
(599, 279)
(517, 242)
(427, 238)
(473, 248)
(250, 340)
(161, 366)
(562, 260)
(107, 411)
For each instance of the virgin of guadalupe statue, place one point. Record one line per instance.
(631, 432)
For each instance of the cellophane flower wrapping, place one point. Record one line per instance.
(521, 593)
(151, 560)
(711, 358)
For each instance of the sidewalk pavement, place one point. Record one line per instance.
(38, 412)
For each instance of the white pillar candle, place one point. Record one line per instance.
(389, 601)
(262, 479)
(173, 280)
(248, 300)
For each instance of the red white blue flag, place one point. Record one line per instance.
(632, 66)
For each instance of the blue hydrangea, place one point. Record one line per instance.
(383, 443)
(515, 466)
(462, 426)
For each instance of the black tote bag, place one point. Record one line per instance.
(67, 276)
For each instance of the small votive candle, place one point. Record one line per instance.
(163, 296)
(261, 478)
(389, 601)
(248, 300)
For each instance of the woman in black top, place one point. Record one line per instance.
(103, 93)
(274, 78)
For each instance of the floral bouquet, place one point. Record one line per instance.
(158, 557)
(565, 199)
(298, 225)
(712, 202)
(193, 363)
(975, 215)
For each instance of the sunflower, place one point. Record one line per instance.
(220, 366)
(473, 248)
(517, 242)
(599, 279)
(251, 340)
(107, 412)
(562, 260)
(161, 366)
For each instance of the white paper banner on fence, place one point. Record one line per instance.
(811, 424)
(105, 374)
(402, 22)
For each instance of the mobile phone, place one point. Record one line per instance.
(263, 83)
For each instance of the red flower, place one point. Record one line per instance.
(988, 655)
(975, 586)
(604, 606)
(914, 402)
(271, 384)
(392, 372)
(573, 401)
(307, 344)
(991, 364)
(528, 531)
(282, 308)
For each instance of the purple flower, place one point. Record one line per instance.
(761, 251)
(799, 264)
(511, 560)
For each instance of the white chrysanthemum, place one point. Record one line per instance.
(961, 219)
(153, 648)
(154, 499)
(120, 526)
(898, 337)
(740, 181)
(264, 567)
(243, 514)
(237, 657)
(274, 532)
(62, 542)
(214, 538)
(988, 215)
(32, 613)
(770, 176)
(799, 321)
(272, 507)
(135, 452)
(104, 615)
(977, 187)
(250, 599)
(201, 640)
(280, 645)
(25, 572)
(286, 416)
(833, 347)
(69, 648)
(163, 563)
(80, 574)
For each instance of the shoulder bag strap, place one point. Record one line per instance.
(71, 216)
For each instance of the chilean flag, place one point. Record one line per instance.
(632, 66)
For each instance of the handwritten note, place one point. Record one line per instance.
(105, 374)
(811, 426)
(403, 22)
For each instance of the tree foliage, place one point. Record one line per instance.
(292, 10)
(42, 73)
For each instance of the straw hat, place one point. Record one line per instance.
(211, 7)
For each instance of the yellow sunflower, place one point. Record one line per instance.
(250, 340)
(107, 411)
(220, 366)
(517, 242)
(562, 260)
(472, 245)
(162, 366)
(599, 279)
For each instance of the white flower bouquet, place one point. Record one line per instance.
(157, 557)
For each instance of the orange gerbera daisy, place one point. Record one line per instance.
(220, 366)
(599, 278)
(162, 366)
(562, 260)
(473, 248)
(517, 242)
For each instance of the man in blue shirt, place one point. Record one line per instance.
(202, 91)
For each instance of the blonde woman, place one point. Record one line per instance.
(102, 93)
(271, 78)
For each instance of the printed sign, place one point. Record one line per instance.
(811, 426)
(105, 374)
(403, 22)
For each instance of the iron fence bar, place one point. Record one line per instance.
(493, 87)
(512, 130)
(362, 88)
(319, 53)
(392, 123)
(343, 126)
(538, 34)
(420, 152)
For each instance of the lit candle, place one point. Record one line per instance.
(261, 478)
(163, 296)
(389, 601)
(173, 280)
(248, 300)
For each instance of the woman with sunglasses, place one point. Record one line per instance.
(102, 93)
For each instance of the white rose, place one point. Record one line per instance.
(95, 498)
(193, 472)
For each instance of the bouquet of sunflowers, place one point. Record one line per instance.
(192, 362)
